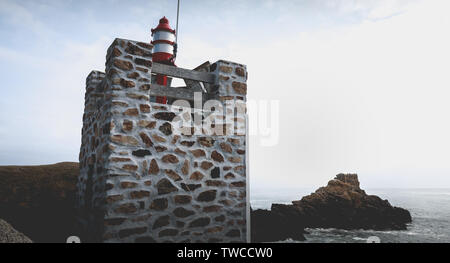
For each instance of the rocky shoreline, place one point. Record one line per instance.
(342, 204)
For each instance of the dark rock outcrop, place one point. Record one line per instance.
(271, 226)
(343, 204)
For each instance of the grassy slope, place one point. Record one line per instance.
(39, 200)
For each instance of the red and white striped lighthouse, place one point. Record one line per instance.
(163, 50)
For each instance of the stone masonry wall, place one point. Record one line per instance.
(145, 176)
(92, 155)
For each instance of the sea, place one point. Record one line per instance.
(430, 211)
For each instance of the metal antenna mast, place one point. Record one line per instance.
(176, 31)
(178, 15)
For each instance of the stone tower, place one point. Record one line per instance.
(144, 176)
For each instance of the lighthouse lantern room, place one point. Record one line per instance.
(163, 50)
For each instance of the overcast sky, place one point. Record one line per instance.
(363, 86)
